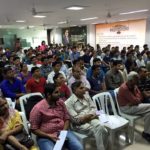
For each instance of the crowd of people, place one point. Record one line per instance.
(68, 77)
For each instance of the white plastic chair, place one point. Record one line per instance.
(114, 122)
(22, 100)
(11, 104)
(131, 118)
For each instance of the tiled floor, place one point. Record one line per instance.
(139, 144)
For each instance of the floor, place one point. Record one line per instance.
(139, 144)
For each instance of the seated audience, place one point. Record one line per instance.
(140, 61)
(45, 68)
(144, 83)
(130, 101)
(77, 76)
(56, 69)
(97, 81)
(48, 118)
(59, 81)
(114, 78)
(10, 125)
(83, 115)
(24, 75)
(36, 83)
(11, 87)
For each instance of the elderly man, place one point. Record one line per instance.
(130, 101)
(83, 115)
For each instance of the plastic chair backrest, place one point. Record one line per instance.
(23, 99)
(11, 104)
(102, 100)
(116, 99)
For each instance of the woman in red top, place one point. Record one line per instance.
(59, 80)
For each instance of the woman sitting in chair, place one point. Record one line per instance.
(10, 125)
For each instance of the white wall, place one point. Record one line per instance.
(147, 38)
(91, 35)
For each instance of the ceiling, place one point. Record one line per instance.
(12, 10)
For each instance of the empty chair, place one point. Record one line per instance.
(113, 122)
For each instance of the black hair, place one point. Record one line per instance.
(32, 57)
(43, 58)
(75, 85)
(94, 67)
(55, 63)
(49, 89)
(6, 69)
(34, 69)
(56, 76)
(140, 69)
(15, 58)
(95, 60)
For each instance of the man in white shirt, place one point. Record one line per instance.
(82, 111)
(56, 69)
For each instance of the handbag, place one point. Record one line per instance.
(24, 138)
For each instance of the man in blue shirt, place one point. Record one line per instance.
(11, 87)
(75, 54)
(97, 81)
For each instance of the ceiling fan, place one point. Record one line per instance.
(35, 12)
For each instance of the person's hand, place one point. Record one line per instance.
(3, 137)
(86, 118)
(53, 137)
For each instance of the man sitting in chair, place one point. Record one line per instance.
(83, 114)
(130, 101)
(48, 118)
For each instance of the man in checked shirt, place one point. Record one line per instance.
(48, 118)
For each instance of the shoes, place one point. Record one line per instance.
(146, 136)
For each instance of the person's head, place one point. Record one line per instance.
(78, 89)
(76, 63)
(116, 64)
(51, 92)
(44, 61)
(56, 66)
(142, 71)
(50, 59)
(66, 33)
(132, 79)
(76, 72)
(24, 67)
(96, 61)
(4, 108)
(8, 72)
(35, 71)
(33, 60)
(16, 61)
(95, 70)
(139, 56)
(43, 43)
(58, 79)
(39, 56)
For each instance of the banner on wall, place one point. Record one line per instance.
(121, 33)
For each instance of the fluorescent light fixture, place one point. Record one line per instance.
(62, 22)
(20, 21)
(75, 8)
(92, 18)
(39, 16)
(133, 12)
(0, 26)
(31, 26)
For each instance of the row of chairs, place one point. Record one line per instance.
(116, 122)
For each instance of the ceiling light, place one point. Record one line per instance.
(20, 21)
(39, 16)
(31, 26)
(85, 19)
(75, 8)
(62, 22)
(133, 12)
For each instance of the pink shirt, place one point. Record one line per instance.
(47, 119)
(126, 97)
